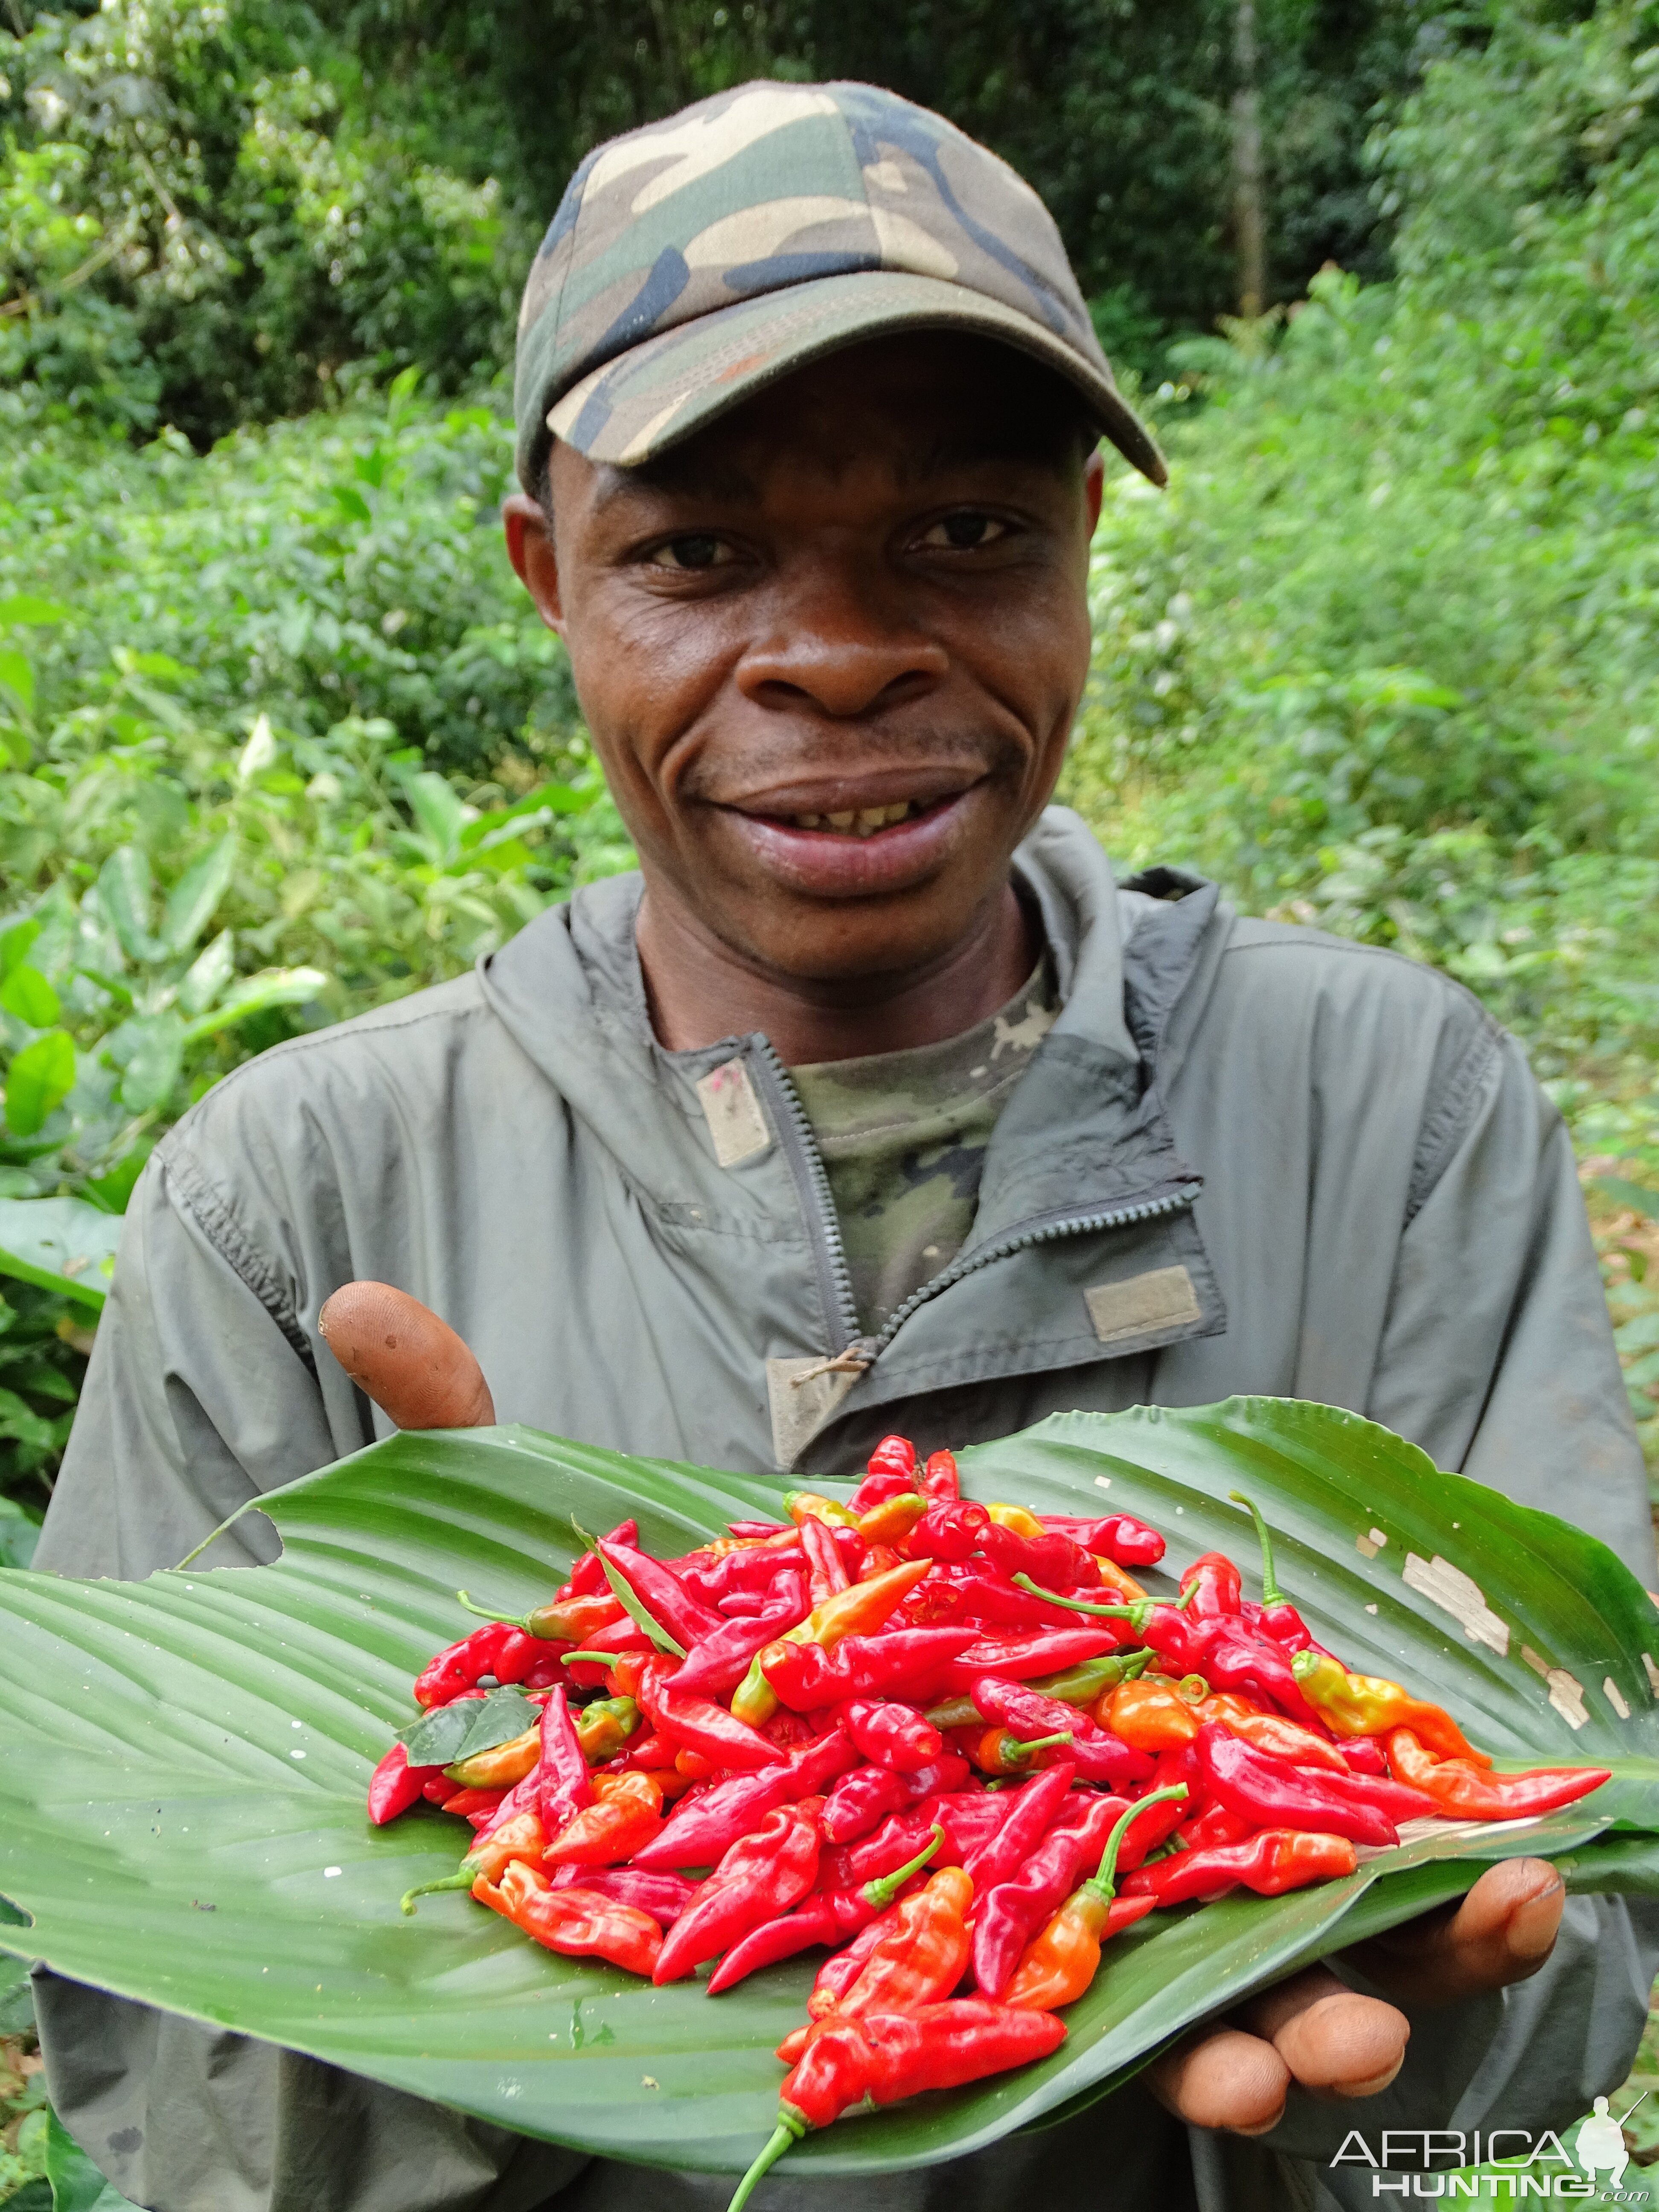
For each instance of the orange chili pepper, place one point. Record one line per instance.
(892, 1521)
(1148, 1716)
(1227, 1706)
(501, 1767)
(860, 1610)
(519, 1838)
(999, 1751)
(625, 1818)
(1116, 1578)
(1471, 1795)
(919, 1960)
(1059, 1963)
(1285, 1739)
(577, 1922)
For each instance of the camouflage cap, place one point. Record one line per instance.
(698, 258)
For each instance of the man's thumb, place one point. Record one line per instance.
(413, 1366)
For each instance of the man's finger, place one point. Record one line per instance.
(1335, 2041)
(1225, 2079)
(413, 1366)
(1501, 1932)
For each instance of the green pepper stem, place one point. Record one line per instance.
(787, 2131)
(1185, 1597)
(1304, 1663)
(509, 1619)
(1040, 1743)
(464, 1878)
(1270, 1593)
(589, 1658)
(1080, 1605)
(882, 1892)
(1105, 1880)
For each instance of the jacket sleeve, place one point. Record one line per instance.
(1497, 1353)
(202, 1394)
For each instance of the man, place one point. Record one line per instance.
(871, 1104)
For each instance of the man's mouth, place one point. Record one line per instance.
(864, 823)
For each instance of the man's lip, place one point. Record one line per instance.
(839, 864)
(853, 793)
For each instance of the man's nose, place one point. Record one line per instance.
(837, 647)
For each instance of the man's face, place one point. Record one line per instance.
(829, 649)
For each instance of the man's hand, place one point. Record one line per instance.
(1315, 2031)
(413, 1366)
(1312, 2029)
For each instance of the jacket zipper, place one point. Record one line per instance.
(1040, 1231)
(829, 1254)
(817, 1204)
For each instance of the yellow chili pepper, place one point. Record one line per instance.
(1368, 1704)
(807, 1505)
(892, 1521)
(858, 1610)
(1016, 1518)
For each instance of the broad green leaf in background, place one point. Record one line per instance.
(39, 1079)
(127, 893)
(193, 899)
(17, 681)
(27, 994)
(438, 810)
(209, 972)
(1632, 1194)
(272, 986)
(29, 609)
(61, 1244)
(16, 940)
(77, 2183)
(18, 1538)
(205, 1738)
(149, 1051)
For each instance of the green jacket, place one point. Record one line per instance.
(1247, 1159)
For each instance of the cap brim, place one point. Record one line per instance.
(662, 391)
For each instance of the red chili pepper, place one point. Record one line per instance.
(977, 1591)
(920, 1958)
(1468, 1792)
(720, 1663)
(578, 1923)
(860, 1801)
(1396, 1801)
(1218, 1590)
(1035, 1810)
(950, 1530)
(703, 1828)
(395, 1786)
(898, 1662)
(898, 1839)
(1008, 1913)
(827, 1916)
(1363, 1755)
(1055, 1561)
(1273, 1862)
(664, 1896)
(460, 1666)
(938, 1481)
(1232, 1656)
(892, 1469)
(1020, 1658)
(702, 1726)
(1100, 1756)
(717, 1576)
(890, 2056)
(890, 1734)
(761, 1876)
(1274, 1796)
(1115, 1536)
(1217, 1824)
(587, 1576)
(829, 1571)
(1062, 1961)
(661, 1592)
(560, 1778)
(469, 1804)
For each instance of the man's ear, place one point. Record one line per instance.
(1094, 488)
(530, 548)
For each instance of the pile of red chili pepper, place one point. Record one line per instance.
(957, 1745)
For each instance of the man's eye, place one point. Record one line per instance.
(964, 532)
(699, 551)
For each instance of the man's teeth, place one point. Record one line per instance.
(863, 823)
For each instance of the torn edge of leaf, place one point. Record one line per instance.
(1371, 1544)
(1462, 1596)
(1615, 1698)
(1653, 1673)
(1566, 1691)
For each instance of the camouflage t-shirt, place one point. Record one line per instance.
(903, 1137)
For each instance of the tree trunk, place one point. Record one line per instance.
(1250, 220)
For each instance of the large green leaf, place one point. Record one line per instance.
(61, 1244)
(186, 1762)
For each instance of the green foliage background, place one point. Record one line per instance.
(280, 737)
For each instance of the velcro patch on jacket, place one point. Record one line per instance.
(1164, 1298)
(733, 1114)
(799, 1409)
